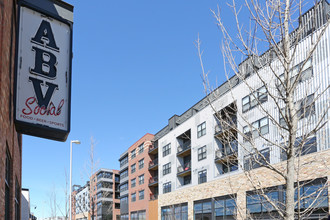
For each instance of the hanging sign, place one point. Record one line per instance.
(43, 74)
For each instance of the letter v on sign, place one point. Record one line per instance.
(43, 101)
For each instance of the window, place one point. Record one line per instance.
(133, 154)
(187, 180)
(133, 182)
(167, 168)
(255, 98)
(303, 146)
(124, 161)
(141, 179)
(225, 207)
(307, 107)
(117, 205)
(138, 215)
(201, 130)
(133, 168)
(133, 197)
(117, 178)
(179, 211)
(141, 195)
(167, 187)
(203, 209)
(123, 187)
(141, 164)
(201, 153)
(124, 174)
(256, 160)
(7, 185)
(260, 126)
(256, 202)
(202, 177)
(166, 150)
(141, 148)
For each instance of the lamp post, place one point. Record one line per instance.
(76, 142)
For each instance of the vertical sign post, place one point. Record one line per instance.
(43, 69)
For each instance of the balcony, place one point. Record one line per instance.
(153, 149)
(153, 181)
(184, 170)
(227, 155)
(184, 150)
(153, 165)
(153, 196)
(226, 128)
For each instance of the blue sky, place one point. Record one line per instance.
(135, 65)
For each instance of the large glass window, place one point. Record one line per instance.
(167, 168)
(225, 207)
(201, 129)
(203, 209)
(166, 150)
(175, 212)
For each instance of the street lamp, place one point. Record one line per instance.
(75, 142)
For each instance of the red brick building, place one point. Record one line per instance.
(135, 178)
(10, 140)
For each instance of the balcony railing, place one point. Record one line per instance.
(153, 163)
(153, 148)
(184, 148)
(153, 180)
(224, 155)
(185, 169)
(225, 125)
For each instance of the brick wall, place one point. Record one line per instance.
(9, 140)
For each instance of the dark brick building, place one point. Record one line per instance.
(10, 140)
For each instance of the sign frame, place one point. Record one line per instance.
(37, 129)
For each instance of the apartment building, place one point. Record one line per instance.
(98, 198)
(81, 203)
(134, 180)
(203, 154)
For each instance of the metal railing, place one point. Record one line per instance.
(153, 162)
(184, 147)
(184, 168)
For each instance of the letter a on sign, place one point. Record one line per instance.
(45, 36)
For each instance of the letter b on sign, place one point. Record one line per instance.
(45, 63)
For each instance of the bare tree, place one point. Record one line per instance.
(279, 46)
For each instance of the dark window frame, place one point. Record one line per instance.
(202, 176)
(166, 168)
(166, 149)
(201, 129)
(167, 187)
(202, 153)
